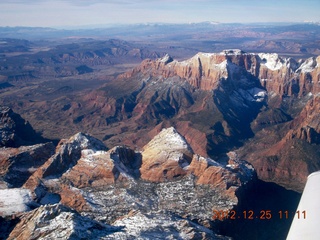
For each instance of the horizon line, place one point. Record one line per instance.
(106, 25)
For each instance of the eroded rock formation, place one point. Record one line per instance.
(15, 131)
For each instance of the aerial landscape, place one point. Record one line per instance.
(157, 119)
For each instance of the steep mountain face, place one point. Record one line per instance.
(306, 125)
(286, 153)
(18, 164)
(283, 76)
(15, 131)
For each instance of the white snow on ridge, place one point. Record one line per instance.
(169, 144)
(165, 59)
(14, 200)
(171, 139)
(205, 54)
(271, 61)
(308, 66)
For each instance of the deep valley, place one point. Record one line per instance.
(149, 131)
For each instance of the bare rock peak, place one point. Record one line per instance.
(15, 131)
(169, 138)
(166, 59)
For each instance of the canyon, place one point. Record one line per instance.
(115, 139)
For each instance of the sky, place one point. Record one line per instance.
(76, 13)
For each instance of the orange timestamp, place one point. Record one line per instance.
(260, 215)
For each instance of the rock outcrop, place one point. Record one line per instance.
(168, 156)
(67, 155)
(58, 222)
(165, 157)
(15, 131)
(18, 164)
(306, 125)
(101, 168)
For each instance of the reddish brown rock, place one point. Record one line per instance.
(168, 156)
(66, 156)
(217, 175)
(306, 125)
(204, 71)
(82, 162)
(72, 197)
(196, 138)
(101, 168)
(18, 164)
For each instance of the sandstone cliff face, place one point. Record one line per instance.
(306, 125)
(18, 164)
(283, 76)
(168, 156)
(67, 155)
(101, 168)
(288, 151)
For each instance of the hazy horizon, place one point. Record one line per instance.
(81, 13)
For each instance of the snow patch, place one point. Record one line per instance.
(166, 59)
(308, 66)
(271, 61)
(253, 94)
(14, 201)
(208, 55)
(169, 143)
